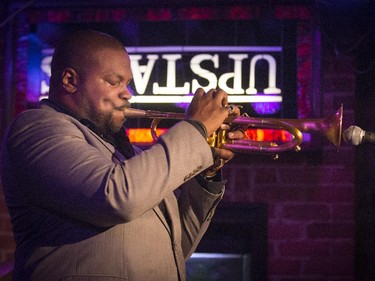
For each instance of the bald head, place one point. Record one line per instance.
(79, 51)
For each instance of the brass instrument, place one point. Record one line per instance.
(330, 128)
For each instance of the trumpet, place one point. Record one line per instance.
(330, 128)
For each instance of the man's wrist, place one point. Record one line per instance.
(213, 184)
(199, 126)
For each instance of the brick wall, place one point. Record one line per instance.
(310, 195)
(6, 238)
(7, 243)
(310, 212)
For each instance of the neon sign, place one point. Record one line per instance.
(169, 74)
(203, 65)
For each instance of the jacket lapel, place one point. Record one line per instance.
(162, 216)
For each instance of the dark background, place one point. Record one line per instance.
(320, 204)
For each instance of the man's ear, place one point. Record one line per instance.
(69, 80)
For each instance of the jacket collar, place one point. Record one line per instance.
(120, 139)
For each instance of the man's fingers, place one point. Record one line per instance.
(223, 96)
(219, 95)
(199, 92)
(224, 154)
(237, 134)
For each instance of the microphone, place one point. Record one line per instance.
(355, 135)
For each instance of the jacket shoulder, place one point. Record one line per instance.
(40, 115)
(41, 123)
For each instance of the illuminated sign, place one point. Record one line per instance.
(170, 74)
(205, 67)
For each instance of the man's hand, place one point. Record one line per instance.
(209, 109)
(226, 154)
(222, 155)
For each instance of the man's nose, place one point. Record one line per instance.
(127, 93)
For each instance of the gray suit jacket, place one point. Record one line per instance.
(81, 211)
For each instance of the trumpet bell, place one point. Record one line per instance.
(330, 128)
(333, 127)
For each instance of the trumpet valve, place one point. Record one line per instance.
(211, 139)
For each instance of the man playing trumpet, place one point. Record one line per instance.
(87, 205)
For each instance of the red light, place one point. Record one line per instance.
(143, 135)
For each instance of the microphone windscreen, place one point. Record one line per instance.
(353, 135)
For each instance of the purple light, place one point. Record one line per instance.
(266, 108)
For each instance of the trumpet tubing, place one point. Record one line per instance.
(330, 128)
